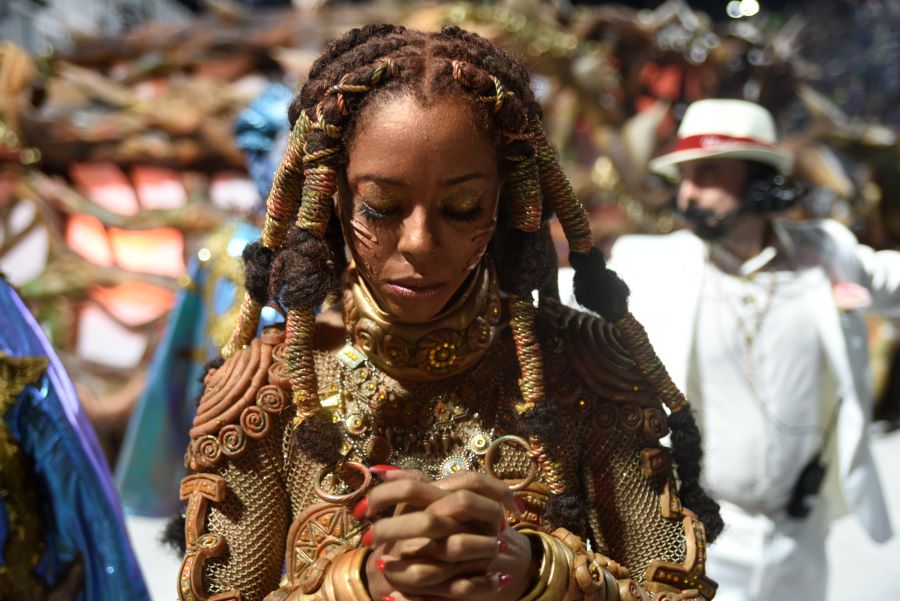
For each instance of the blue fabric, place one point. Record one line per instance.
(81, 510)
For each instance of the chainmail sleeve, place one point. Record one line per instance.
(634, 513)
(238, 508)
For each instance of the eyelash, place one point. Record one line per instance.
(470, 215)
(370, 213)
(373, 215)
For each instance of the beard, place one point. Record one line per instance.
(709, 225)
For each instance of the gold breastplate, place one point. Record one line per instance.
(438, 427)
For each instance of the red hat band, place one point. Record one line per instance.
(715, 142)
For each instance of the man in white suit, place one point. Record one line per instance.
(760, 322)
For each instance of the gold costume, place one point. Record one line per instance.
(439, 397)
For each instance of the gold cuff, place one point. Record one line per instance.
(553, 576)
(569, 571)
(345, 582)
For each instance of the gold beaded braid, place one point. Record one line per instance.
(552, 470)
(299, 331)
(634, 339)
(556, 186)
(523, 187)
(528, 351)
(524, 191)
(531, 364)
(281, 205)
(245, 329)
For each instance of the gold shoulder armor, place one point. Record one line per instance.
(240, 400)
(588, 364)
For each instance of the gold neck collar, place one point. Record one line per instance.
(445, 346)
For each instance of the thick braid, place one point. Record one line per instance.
(299, 330)
(521, 311)
(520, 185)
(556, 187)
(351, 40)
(245, 329)
(319, 185)
(281, 205)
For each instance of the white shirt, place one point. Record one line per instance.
(759, 377)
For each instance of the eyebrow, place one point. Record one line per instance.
(390, 181)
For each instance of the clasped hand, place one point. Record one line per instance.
(446, 539)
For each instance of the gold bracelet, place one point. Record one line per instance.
(345, 583)
(553, 577)
(543, 571)
(562, 584)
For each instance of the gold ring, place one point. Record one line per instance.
(348, 498)
(518, 440)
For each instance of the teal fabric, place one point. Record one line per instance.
(151, 462)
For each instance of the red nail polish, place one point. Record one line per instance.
(388, 598)
(368, 537)
(380, 469)
(504, 579)
(520, 504)
(502, 524)
(502, 546)
(379, 563)
(359, 512)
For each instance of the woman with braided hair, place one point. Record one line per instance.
(515, 445)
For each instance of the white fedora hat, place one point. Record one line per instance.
(722, 128)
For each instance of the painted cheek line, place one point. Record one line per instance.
(365, 235)
(481, 235)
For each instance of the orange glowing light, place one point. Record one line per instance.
(86, 235)
(158, 251)
(134, 303)
(158, 188)
(106, 185)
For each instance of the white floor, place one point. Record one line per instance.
(860, 569)
(158, 563)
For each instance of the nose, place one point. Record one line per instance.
(419, 237)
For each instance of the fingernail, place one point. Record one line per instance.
(388, 598)
(520, 504)
(504, 579)
(359, 512)
(380, 469)
(379, 563)
(368, 537)
(502, 524)
(502, 546)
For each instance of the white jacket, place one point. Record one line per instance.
(664, 274)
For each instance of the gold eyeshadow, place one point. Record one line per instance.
(461, 201)
(379, 200)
